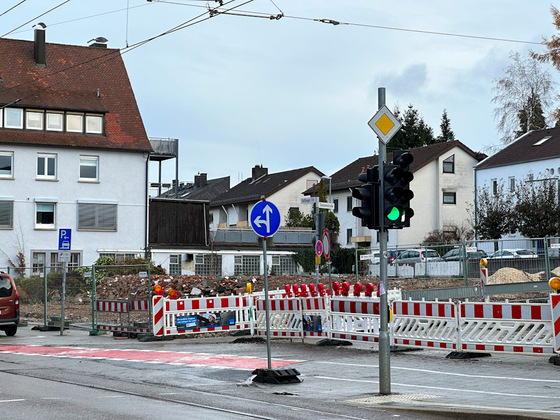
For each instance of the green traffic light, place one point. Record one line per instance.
(394, 214)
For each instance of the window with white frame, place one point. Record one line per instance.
(97, 216)
(348, 236)
(449, 197)
(46, 166)
(335, 202)
(349, 203)
(494, 187)
(74, 123)
(511, 183)
(44, 215)
(89, 166)
(13, 118)
(6, 214)
(246, 265)
(449, 165)
(34, 120)
(94, 124)
(38, 262)
(55, 121)
(6, 164)
(175, 265)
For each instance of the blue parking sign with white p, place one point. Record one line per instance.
(64, 239)
(265, 218)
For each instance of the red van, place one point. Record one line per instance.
(9, 305)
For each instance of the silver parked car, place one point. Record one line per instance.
(514, 253)
(417, 256)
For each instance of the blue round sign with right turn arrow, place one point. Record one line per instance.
(265, 218)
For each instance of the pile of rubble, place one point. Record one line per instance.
(134, 287)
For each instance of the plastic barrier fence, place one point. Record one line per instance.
(506, 327)
(424, 324)
(192, 316)
(355, 318)
(315, 313)
(125, 316)
(285, 317)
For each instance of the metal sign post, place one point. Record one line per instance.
(64, 246)
(385, 125)
(265, 221)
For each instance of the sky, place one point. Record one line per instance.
(240, 89)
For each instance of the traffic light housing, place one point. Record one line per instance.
(396, 191)
(369, 194)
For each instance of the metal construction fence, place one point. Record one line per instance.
(536, 259)
(121, 299)
(40, 288)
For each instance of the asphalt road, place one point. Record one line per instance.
(45, 375)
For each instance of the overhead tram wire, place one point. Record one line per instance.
(36, 17)
(363, 25)
(98, 61)
(93, 16)
(12, 8)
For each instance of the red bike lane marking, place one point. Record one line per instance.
(237, 362)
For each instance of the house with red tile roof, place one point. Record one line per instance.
(73, 154)
(443, 188)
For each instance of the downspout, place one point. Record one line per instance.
(147, 208)
(205, 226)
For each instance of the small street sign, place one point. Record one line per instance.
(64, 239)
(384, 124)
(329, 206)
(319, 248)
(309, 200)
(63, 256)
(265, 219)
(367, 257)
(327, 244)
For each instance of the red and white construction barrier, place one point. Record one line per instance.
(506, 327)
(285, 317)
(121, 307)
(355, 318)
(211, 314)
(424, 324)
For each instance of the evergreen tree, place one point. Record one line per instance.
(531, 117)
(445, 127)
(414, 131)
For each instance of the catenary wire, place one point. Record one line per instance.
(12, 8)
(36, 17)
(364, 25)
(114, 53)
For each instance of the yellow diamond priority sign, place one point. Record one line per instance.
(385, 124)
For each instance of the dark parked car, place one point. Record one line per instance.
(457, 255)
(9, 305)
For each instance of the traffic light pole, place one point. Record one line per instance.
(384, 345)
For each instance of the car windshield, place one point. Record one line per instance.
(431, 254)
(524, 252)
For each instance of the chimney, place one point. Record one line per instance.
(258, 171)
(39, 46)
(98, 42)
(200, 180)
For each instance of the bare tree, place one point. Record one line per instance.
(524, 83)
